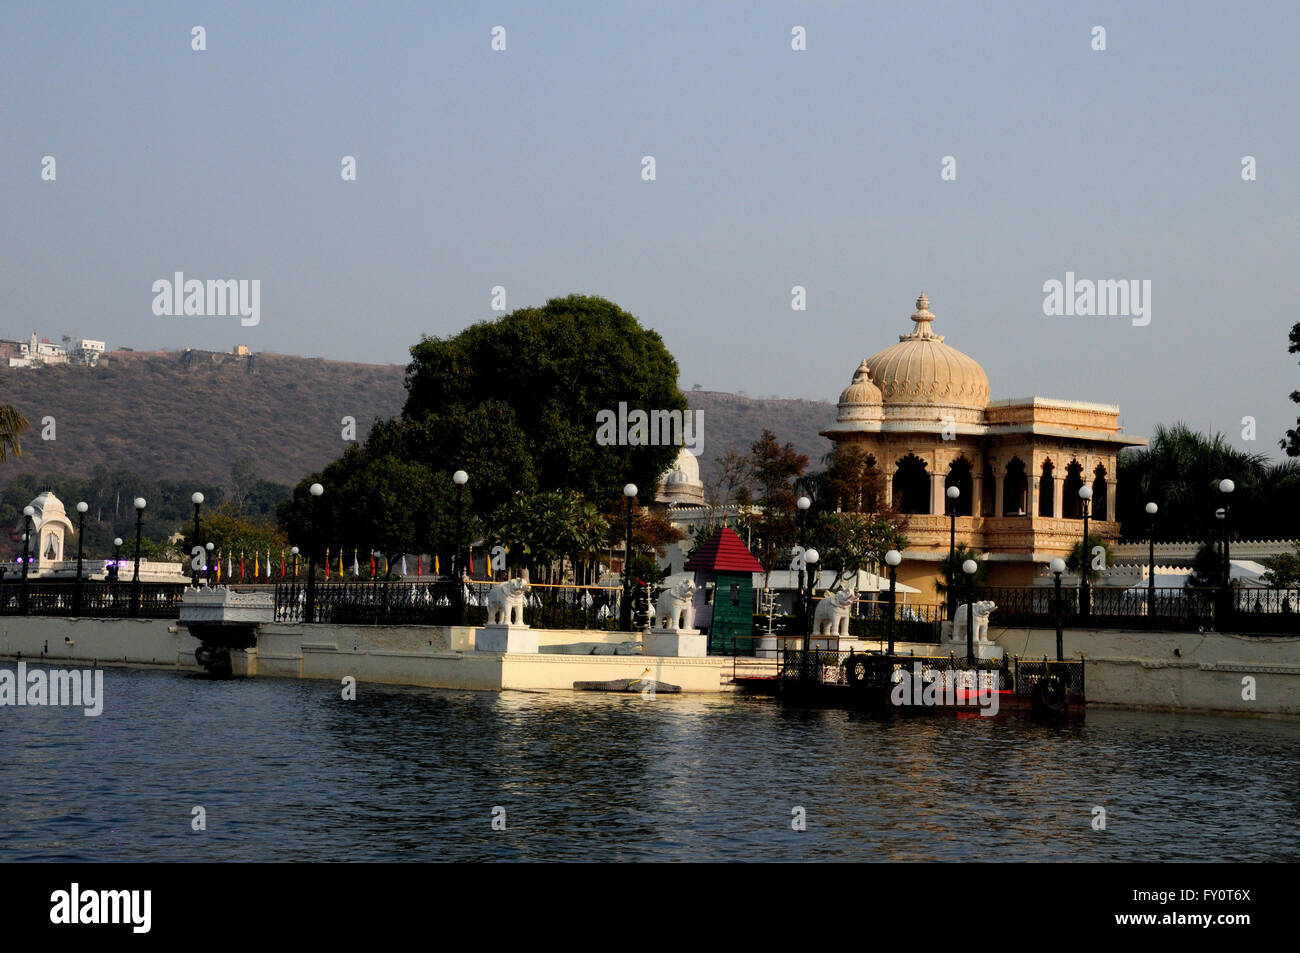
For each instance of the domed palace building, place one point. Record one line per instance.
(921, 411)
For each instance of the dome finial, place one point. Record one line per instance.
(922, 317)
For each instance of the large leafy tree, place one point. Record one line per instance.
(536, 379)
(514, 403)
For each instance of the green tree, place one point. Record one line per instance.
(1283, 570)
(848, 542)
(1078, 557)
(543, 375)
(773, 528)
(12, 426)
(1207, 568)
(954, 565)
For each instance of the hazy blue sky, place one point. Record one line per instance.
(775, 168)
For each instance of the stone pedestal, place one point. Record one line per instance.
(957, 647)
(516, 639)
(676, 643)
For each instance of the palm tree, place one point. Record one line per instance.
(12, 425)
(1180, 471)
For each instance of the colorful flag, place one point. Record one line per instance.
(385, 565)
(471, 562)
(372, 564)
(218, 566)
(419, 564)
(282, 564)
(242, 575)
(437, 569)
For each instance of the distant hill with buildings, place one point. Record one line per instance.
(190, 414)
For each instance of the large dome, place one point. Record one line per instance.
(922, 376)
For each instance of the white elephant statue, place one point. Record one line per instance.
(675, 608)
(832, 615)
(981, 633)
(505, 601)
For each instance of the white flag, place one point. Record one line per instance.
(356, 570)
(403, 564)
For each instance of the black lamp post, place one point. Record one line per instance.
(28, 513)
(892, 559)
(460, 478)
(1085, 495)
(810, 556)
(625, 610)
(81, 539)
(1058, 567)
(803, 503)
(117, 556)
(953, 493)
(1226, 487)
(293, 551)
(197, 500)
(969, 567)
(309, 608)
(140, 504)
(1151, 509)
(210, 561)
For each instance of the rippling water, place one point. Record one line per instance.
(286, 770)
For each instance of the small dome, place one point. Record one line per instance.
(921, 371)
(861, 399)
(682, 483)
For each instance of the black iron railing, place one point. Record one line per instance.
(1237, 609)
(106, 600)
(439, 603)
(817, 668)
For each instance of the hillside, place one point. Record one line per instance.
(164, 415)
(177, 415)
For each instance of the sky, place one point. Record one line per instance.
(773, 168)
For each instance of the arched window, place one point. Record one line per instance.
(990, 491)
(1099, 510)
(1071, 505)
(959, 476)
(1047, 490)
(1015, 489)
(912, 485)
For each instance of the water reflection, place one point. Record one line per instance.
(288, 771)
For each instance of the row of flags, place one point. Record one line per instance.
(254, 566)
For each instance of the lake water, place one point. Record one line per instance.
(286, 770)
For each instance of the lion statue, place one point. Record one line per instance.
(981, 631)
(675, 608)
(832, 615)
(505, 601)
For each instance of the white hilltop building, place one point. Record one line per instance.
(53, 551)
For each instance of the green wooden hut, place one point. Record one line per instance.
(724, 572)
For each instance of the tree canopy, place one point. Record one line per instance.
(514, 403)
